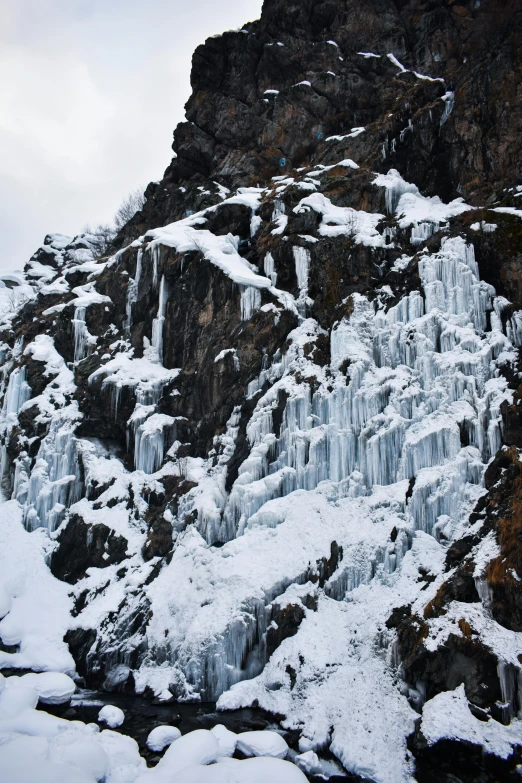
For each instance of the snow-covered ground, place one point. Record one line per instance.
(37, 747)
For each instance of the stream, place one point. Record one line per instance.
(142, 715)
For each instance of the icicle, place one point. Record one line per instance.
(279, 209)
(269, 266)
(507, 675)
(159, 321)
(149, 444)
(420, 232)
(449, 102)
(132, 291)
(113, 390)
(80, 333)
(302, 267)
(250, 301)
(155, 252)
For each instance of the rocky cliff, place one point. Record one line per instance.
(269, 443)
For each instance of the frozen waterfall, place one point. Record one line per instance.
(149, 441)
(423, 397)
(18, 391)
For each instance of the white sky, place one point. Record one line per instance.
(90, 93)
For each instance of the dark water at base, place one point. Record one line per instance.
(143, 715)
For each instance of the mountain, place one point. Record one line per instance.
(264, 449)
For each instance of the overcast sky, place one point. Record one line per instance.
(90, 93)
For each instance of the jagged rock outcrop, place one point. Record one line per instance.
(273, 433)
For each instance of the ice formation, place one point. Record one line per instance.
(355, 473)
(149, 443)
(80, 333)
(250, 301)
(54, 482)
(159, 321)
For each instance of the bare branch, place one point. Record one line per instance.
(128, 207)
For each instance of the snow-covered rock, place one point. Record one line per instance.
(262, 743)
(51, 687)
(161, 737)
(111, 715)
(227, 740)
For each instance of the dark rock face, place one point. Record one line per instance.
(464, 659)
(289, 122)
(82, 546)
(237, 132)
(448, 761)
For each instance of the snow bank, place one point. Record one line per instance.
(36, 747)
(39, 607)
(51, 687)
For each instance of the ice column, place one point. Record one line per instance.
(250, 301)
(159, 321)
(132, 291)
(421, 398)
(449, 102)
(420, 232)
(396, 190)
(18, 391)
(149, 444)
(270, 268)
(55, 481)
(302, 268)
(514, 328)
(155, 253)
(80, 333)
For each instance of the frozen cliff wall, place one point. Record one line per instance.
(270, 441)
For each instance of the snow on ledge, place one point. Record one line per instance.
(447, 716)
(222, 251)
(406, 201)
(354, 132)
(337, 221)
(508, 211)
